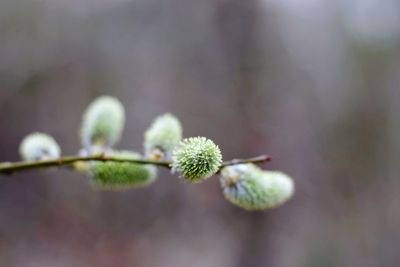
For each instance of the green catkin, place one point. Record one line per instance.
(251, 188)
(112, 175)
(39, 146)
(162, 136)
(102, 123)
(196, 159)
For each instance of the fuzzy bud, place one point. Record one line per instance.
(39, 146)
(251, 188)
(112, 175)
(162, 136)
(103, 122)
(196, 159)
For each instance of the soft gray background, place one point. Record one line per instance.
(315, 83)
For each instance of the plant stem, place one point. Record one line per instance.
(13, 167)
(258, 159)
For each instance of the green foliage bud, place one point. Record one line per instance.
(162, 136)
(112, 175)
(196, 159)
(251, 188)
(39, 146)
(102, 123)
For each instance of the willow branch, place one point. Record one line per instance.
(258, 159)
(8, 168)
(13, 167)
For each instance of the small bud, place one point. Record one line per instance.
(162, 136)
(196, 159)
(82, 166)
(103, 122)
(39, 146)
(112, 175)
(251, 188)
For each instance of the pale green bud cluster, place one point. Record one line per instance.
(196, 159)
(103, 122)
(251, 188)
(39, 146)
(162, 136)
(112, 175)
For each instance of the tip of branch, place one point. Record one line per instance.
(267, 157)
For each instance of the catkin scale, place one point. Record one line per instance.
(196, 159)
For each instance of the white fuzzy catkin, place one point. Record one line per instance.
(39, 146)
(251, 188)
(162, 136)
(102, 122)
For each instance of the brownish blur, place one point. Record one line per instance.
(314, 83)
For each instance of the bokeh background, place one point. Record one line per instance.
(315, 83)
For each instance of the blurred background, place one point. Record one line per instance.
(314, 83)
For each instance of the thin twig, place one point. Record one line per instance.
(13, 167)
(258, 159)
